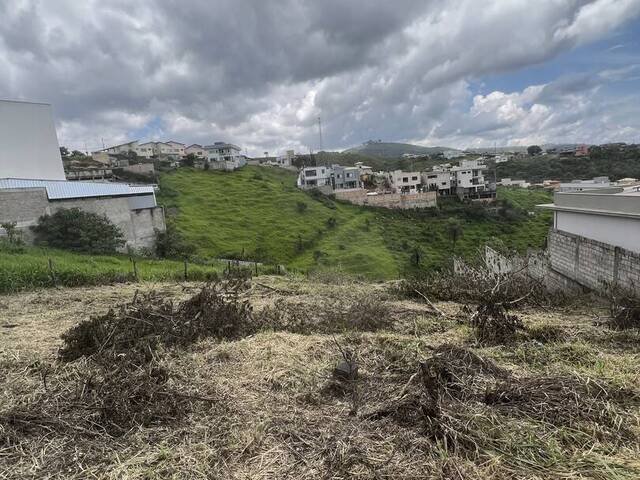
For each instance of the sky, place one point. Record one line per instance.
(456, 73)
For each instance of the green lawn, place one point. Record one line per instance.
(30, 269)
(256, 213)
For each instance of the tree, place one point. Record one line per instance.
(534, 150)
(64, 152)
(75, 229)
(454, 231)
(169, 244)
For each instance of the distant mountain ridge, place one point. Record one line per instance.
(394, 150)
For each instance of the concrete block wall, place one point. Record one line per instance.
(593, 264)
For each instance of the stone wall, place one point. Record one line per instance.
(25, 205)
(593, 264)
(388, 200)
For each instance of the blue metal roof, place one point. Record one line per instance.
(61, 189)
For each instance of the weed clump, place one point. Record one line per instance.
(363, 314)
(624, 310)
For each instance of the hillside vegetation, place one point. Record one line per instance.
(611, 161)
(258, 213)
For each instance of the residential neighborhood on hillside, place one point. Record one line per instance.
(308, 240)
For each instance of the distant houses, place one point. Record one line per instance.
(401, 189)
(217, 156)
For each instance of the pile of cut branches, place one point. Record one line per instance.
(149, 320)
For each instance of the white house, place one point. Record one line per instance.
(28, 142)
(314, 177)
(197, 150)
(145, 149)
(508, 182)
(438, 180)
(404, 182)
(469, 181)
(224, 156)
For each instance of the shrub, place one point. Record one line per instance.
(75, 229)
(169, 244)
(301, 207)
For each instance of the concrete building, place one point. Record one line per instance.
(594, 239)
(610, 216)
(345, 178)
(438, 180)
(197, 150)
(171, 149)
(224, 156)
(469, 181)
(28, 142)
(596, 183)
(404, 182)
(315, 177)
(32, 180)
(146, 150)
(133, 209)
(508, 182)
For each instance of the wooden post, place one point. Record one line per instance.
(135, 269)
(185, 270)
(52, 273)
(256, 269)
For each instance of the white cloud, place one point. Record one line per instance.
(259, 73)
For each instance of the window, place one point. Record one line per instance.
(414, 179)
(311, 173)
(405, 179)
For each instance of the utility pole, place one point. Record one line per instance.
(102, 143)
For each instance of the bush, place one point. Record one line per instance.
(169, 244)
(75, 229)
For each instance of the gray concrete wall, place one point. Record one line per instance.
(388, 200)
(26, 205)
(591, 263)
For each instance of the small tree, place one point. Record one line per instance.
(534, 150)
(13, 234)
(454, 231)
(64, 152)
(75, 229)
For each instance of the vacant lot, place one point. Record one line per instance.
(559, 401)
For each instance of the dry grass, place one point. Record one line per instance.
(266, 405)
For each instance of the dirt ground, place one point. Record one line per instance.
(267, 405)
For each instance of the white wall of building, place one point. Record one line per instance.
(618, 231)
(28, 143)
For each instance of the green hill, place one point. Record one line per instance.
(258, 213)
(393, 150)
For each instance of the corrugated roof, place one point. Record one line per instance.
(60, 189)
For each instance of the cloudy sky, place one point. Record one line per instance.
(259, 73)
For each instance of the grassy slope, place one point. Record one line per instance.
(30, 269)
(254, 210)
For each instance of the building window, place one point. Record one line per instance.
(405, 179)
(311, 173)
(414, 179)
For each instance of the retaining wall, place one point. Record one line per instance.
(389, 200)
(591, 263)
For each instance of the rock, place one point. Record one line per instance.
(346, 371)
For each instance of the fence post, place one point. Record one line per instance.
(52, 273)
(256, 269)
(185, 270)
(135, 268)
